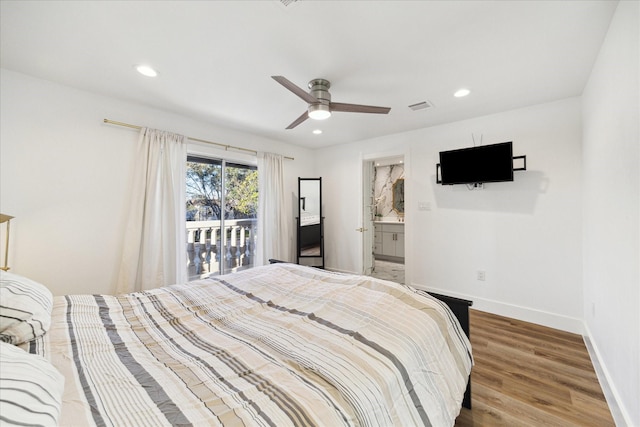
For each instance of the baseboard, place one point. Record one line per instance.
(620, 415)
(544, 318)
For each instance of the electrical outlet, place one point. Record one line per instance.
(481, 275)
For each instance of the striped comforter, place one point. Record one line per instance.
(272, 346)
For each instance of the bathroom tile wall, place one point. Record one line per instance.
(384, 177)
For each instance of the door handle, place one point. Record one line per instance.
(361, 229)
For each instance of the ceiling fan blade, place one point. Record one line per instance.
(295, 89)
(355, 108)
(299, 120)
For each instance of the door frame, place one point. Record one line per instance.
(368, 228)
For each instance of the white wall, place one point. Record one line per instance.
(526, 234)
(65, 176)
(612, 209)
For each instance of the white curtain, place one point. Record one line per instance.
(155, 235)
(274, 234)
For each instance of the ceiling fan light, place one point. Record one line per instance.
(319, 111)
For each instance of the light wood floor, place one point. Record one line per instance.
(530, 375)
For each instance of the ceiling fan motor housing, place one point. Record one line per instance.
(319, 89)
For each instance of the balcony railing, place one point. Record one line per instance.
(206, 254)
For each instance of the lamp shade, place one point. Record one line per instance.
(4, 218)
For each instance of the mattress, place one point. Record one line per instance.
(276, 345)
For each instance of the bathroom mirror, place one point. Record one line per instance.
(310, 242)
(398, 196)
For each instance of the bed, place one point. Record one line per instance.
(275, 345)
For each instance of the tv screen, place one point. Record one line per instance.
(488, 163)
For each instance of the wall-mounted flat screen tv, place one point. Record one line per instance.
(488, 163)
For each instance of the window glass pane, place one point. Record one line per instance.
(240, 215)
(204, 207)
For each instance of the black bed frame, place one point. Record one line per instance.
(460, 308)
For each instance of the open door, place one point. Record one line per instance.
(368, 206)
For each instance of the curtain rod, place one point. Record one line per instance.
(225, 146)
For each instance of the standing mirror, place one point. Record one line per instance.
(310, 224)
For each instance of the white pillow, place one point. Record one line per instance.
(31, 388)
(25, 308)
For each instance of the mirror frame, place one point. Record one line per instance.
(396, 193)
(302, 199)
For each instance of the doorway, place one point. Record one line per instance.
(221, 216)
(383, 218)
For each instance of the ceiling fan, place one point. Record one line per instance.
(319, 100)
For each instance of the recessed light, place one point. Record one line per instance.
(317, 132)
(145, 70)
(462, 92)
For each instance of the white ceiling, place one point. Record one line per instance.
(215, 58)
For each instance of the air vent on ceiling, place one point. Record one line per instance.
(286, 3)
(421, 105)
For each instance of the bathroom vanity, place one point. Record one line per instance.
(389, 241)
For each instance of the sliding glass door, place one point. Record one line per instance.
(222, 209)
